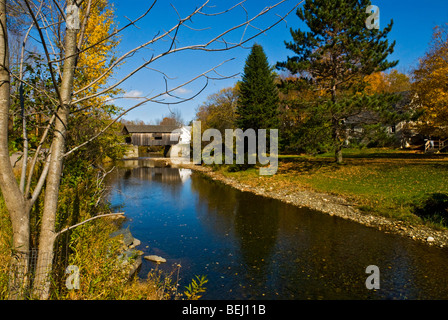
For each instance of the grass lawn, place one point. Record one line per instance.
(391, 183)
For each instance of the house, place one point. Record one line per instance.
(399, 131)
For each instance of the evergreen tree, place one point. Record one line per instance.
(332, 59)
(257, 106)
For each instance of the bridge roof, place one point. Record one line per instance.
(148, 129)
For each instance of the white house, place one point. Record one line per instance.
(181, 149)
(185, 135)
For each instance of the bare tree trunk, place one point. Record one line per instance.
(338, 152)
(41, 287)
(15, 203)
(336, 130)
(337, 141)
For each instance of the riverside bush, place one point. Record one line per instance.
(434, 208)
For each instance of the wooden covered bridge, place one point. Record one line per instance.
(151, 135)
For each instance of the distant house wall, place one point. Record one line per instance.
(404, 132)
(185, 136)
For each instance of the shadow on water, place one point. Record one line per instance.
(252, 247)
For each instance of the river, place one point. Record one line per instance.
(251, 247)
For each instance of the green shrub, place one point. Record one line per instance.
(433, 208)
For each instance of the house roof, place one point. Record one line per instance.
(130, 128)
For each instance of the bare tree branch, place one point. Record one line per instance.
(132, 23)
(90, 219)
(22, 107)
(40, 183)
(130, 53)
(202, 47)
(53, 78)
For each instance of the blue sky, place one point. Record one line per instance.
(414, 21)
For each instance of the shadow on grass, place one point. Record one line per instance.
(308, 165)
(397, 155)
(434, 208)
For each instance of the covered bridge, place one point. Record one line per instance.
(150, 135)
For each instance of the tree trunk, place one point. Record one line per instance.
(14, 201)
(336, 129)
(42, 281)
(47, 237)
(338, 154)
(337, 142)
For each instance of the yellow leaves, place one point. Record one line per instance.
(94, 62)
(380, 82)
(218, 111)
(431, 85)
(377, 83)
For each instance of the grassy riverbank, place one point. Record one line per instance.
(402, 185)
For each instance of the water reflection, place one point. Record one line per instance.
(254, 247)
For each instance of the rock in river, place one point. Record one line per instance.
(155, 258)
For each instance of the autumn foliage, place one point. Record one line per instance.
(431, 85)
(392, 82)
(94, 62)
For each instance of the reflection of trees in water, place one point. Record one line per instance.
(256, 224)
(167, 179)
(144, 163)
(164, 175)
(215, 205)
(252, 220)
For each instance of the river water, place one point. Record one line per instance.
(251, 247)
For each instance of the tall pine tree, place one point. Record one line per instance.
(333, 58)
(257, 106)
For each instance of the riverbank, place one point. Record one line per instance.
(346, 207)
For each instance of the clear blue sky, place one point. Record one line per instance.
(414, 21)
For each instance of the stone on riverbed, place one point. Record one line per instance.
(135, 243)
(155, 258)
